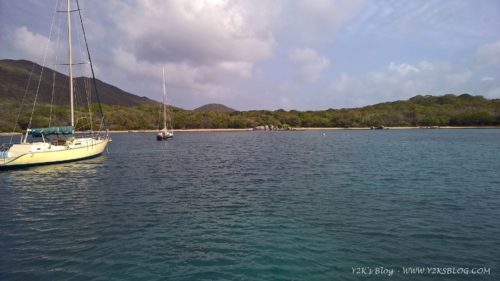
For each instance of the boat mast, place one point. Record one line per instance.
(164, 101)
(70, 57)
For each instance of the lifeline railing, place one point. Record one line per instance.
(4, 151)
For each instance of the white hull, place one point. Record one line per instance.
(164, 135)
(41, 153)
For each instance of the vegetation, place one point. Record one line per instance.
(447, 110)
(15, 74)
(214, 107)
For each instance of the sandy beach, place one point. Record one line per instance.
(294, 129)
(182, 130)
(391, 128)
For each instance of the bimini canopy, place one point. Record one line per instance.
(64, 130)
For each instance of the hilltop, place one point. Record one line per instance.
(214, 107)
(14, 76)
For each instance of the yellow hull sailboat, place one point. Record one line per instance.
(38, 153)
(57, 144)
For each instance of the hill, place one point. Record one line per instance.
(446, 110)
(14, 76)
(214, 107)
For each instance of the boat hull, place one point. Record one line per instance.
(163, 138)
(52, 157)
(164, 135)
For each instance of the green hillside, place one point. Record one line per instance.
(447, 110)
(15, 74)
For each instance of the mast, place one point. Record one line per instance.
(70, 59)
(164, 101)
(91, 66)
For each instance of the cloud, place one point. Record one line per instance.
(489, 53)
(30, 45)
(308, 21)
(217, 43)
(243, 51)
(205, 45)
(242, 69)
(402, 69)
(452, 24)
(310, 63)
(399, 81)
(199, 81)
(200, 32)
(487, 79)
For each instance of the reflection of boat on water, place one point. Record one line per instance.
(57, 143)
(168, 131)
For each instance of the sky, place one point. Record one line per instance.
(271, 54)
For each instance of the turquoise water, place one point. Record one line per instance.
(258, 206)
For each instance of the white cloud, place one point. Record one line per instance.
(30, 45)
(211, 45)
(201, 32)
(490, 53)
(310, 63)
(487, 79)
(402, 69)
(127, 61)
(200, 81)
(242, 69)
(205, 45)
(399, 81)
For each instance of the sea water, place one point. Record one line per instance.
(315, 205)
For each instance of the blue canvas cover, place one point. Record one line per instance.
(64, 130)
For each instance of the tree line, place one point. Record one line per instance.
(446, 110)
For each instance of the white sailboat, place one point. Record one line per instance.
(168, 131)
(55, 144)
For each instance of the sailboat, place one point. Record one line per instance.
(56, 144)
(167, 132)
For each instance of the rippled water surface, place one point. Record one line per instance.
(258, 206)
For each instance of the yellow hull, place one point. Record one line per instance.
(50, 157)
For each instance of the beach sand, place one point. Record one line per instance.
(294, 129)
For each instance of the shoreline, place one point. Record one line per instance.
(296, 129)
(186, 130)
(301, 129)
(394, 128)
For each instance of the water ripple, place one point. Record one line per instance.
(256, 206)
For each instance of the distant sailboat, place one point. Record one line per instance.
(58, 144)
(168, 131)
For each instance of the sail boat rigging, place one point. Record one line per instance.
(58, 144)
(167, 132)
